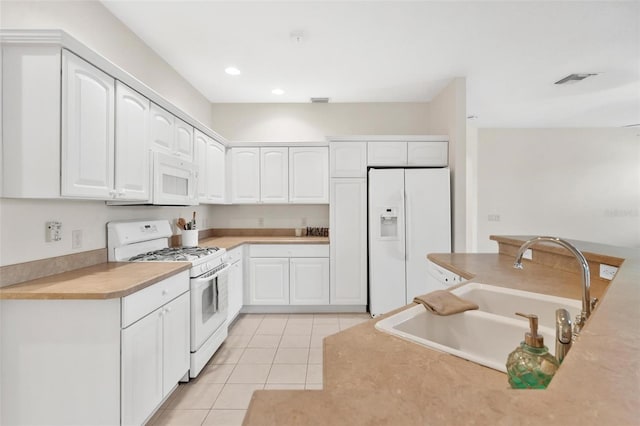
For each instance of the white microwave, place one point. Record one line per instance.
(174, 181)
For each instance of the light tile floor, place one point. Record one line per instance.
(274, 351)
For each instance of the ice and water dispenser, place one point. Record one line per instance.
(389, 224)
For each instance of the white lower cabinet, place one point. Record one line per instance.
(98, 362)
(236, 282)
(155, 355)
(309, 281)
(269, 281)
(289, 274)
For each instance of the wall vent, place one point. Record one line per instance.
(574, 78)
(319, 100)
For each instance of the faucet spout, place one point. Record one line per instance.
(586, 278)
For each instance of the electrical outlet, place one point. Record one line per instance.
(607, 272)
(261, 222)
(53, 231)
(76, 238)
(493, 218)
(528, 254)
(304, 221)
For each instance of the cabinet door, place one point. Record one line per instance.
(88, 108)
(429, 154)
(245, 179)
(387, 153)
(269, 281)
(348, 159)
(183, 140)
(200, 142)
(132, 172)
(309, 175)
(176, 342)
(348, 245)
(236, 286)
(274, 175)
(309, 281)
(141, 370)
(161, 130)
(216, 173)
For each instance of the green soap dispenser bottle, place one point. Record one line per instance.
(531, 366)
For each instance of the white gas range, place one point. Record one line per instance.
(148, 241)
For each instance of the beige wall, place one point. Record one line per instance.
(447, 116)
(93, 25)
(580, 184)
(314, 122)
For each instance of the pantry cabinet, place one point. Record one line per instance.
(348, 222)
(348, 159)
(88, 123)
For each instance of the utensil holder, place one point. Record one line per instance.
(190, 238)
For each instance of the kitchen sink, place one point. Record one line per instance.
(485, 336)
(506, 302)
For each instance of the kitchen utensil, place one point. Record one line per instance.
(182, 224)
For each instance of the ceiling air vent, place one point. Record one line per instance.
(574, 78)
(319, 100)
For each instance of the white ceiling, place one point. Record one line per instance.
(511, 53)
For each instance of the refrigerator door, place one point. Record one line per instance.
(386, 240)
(428, 219)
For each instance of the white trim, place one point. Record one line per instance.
(298, 309)
(389, 138)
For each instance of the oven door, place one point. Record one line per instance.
(174, 181)
(209, 305)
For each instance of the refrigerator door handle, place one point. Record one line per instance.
(403, 228)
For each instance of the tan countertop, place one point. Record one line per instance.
(119, 279)
(230, 242)
(103, 281)
(374, 378)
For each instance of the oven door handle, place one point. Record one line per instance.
(200, 280)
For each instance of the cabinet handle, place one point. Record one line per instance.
(121, 193)
(112, 193)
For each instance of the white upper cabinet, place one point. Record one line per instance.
(162, 124)
(348, 159)
(309, 175)
(245, 175)
(209, 155)
(387, 154)
(88, 123)
(183, 140)
(274, 175)
(171, 135)
(132, 175)
(430, 154)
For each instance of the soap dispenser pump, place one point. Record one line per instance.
(531, 366)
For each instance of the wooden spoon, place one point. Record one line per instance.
(182, 224)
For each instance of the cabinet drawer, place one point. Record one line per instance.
(142, 302)
(234, 255)
(289, 250)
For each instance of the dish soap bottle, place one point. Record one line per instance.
(531, 366)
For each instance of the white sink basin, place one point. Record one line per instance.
(485, 336)
(506, 302)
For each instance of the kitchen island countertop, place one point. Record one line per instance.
(374, 378)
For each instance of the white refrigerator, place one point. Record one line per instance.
(409, 217)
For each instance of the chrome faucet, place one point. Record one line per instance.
(587, 303)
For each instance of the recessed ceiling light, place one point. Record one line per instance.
(277, 92)
(232, 71)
